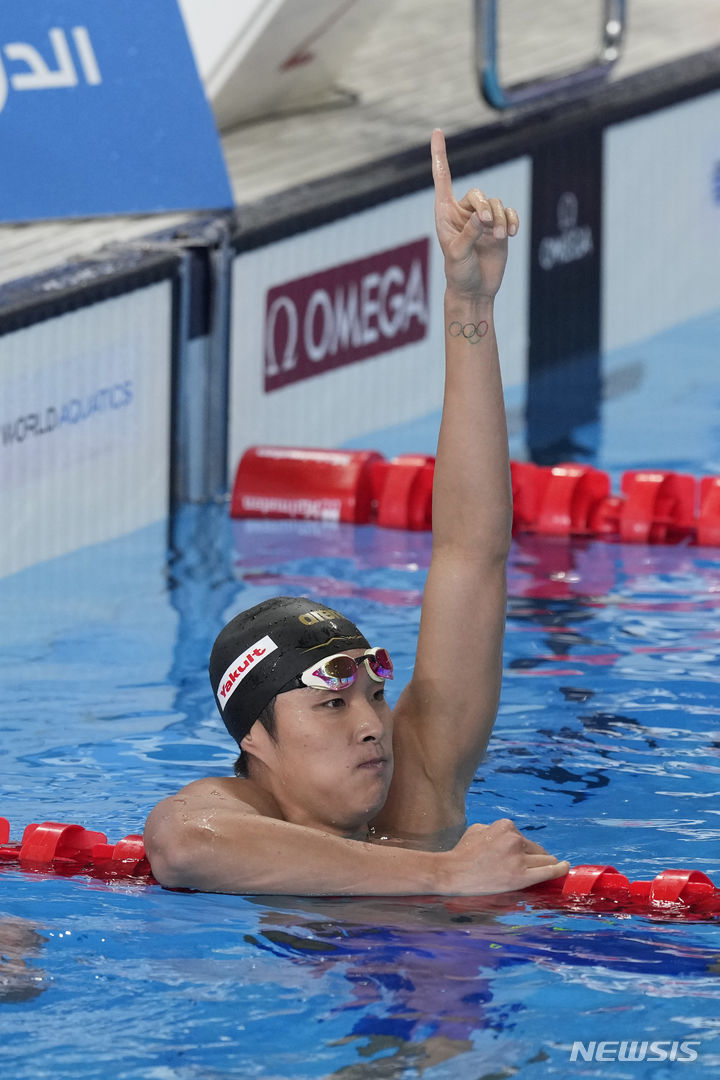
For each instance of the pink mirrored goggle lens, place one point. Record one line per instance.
(340, 671)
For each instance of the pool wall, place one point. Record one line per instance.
(661, 211)
(85, 385)
(134, 381)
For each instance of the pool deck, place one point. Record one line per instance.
(413, 72)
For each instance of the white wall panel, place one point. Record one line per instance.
(661, 225)
(84, 426)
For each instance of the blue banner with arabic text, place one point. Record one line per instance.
(102, 112)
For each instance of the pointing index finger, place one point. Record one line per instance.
(440, 167)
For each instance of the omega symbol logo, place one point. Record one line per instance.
(567, 211)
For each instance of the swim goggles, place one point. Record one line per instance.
(339, 671)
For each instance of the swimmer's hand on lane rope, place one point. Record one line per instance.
(473, 233)
(497, 858)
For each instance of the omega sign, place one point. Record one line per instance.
(345, 314)
(572, 242)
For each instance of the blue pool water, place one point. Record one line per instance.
(606, 749)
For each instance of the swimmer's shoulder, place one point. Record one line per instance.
(180, 828)
(230, 792)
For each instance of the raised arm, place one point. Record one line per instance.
(445, 715)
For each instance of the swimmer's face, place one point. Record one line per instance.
(331, 763)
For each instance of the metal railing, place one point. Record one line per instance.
(544, 86)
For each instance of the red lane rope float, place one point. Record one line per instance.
(290, 482)
(60, 848)
(708, 525)
(683, 893)
(54, 847)
(361, 486)
(402, 492)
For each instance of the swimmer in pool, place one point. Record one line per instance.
(334, 793)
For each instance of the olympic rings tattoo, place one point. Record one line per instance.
(472, 332)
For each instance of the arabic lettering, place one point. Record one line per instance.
(86, 53)
(42, 76)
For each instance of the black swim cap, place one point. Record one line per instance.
(262, 649)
